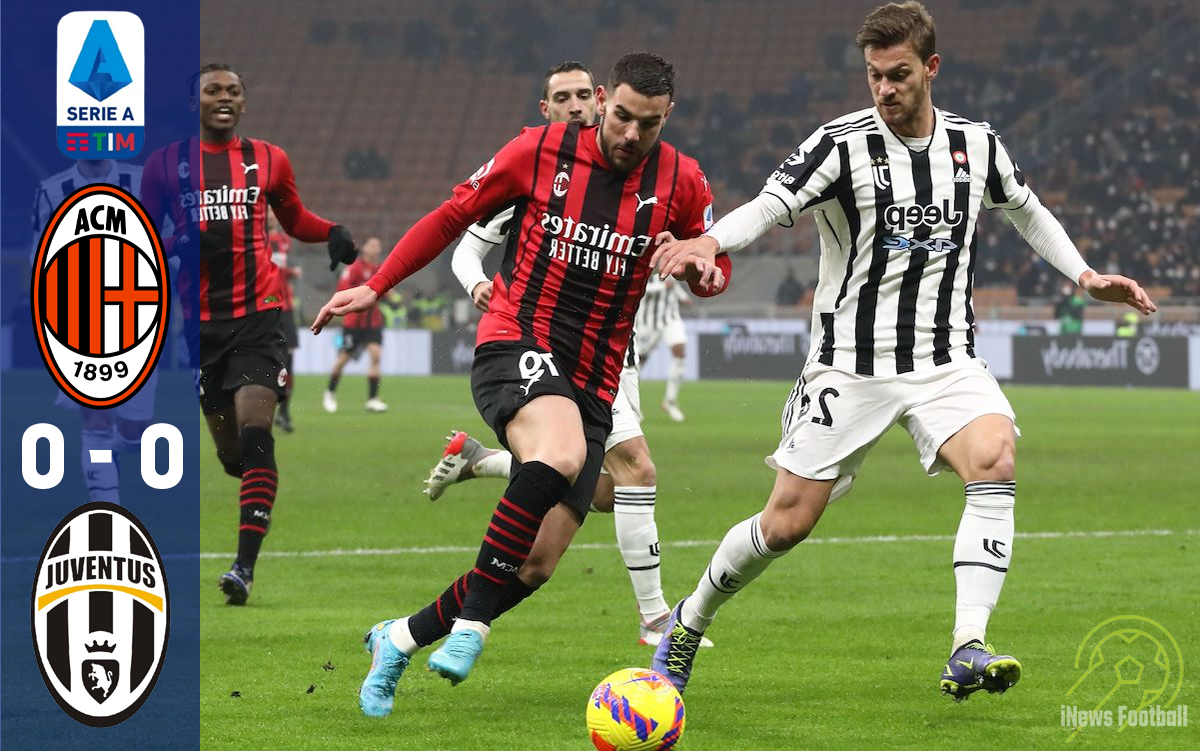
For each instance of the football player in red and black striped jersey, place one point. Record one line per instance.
(362, 330)
(215, 190)
(591, 201)
(281, 246)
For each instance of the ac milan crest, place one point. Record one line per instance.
(100, 296)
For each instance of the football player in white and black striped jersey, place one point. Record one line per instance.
(659, 321)
(118, 430)
(895, 191)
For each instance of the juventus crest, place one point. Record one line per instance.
(101, 615)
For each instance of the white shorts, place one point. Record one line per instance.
(140, 408)
(833, 417)
(672, 333)
(626, 410)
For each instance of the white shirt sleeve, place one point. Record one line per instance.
(1046, 235)
(792, 190)
(467, 261)
(748, 222)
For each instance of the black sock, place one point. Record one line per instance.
(437, 618)
(287, 392)
(233, 467)
(333, 380)
(372, 387)
(259, 485)
(532, 492)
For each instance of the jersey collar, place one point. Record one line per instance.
(938, 129)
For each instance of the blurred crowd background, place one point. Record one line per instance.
(384, 105)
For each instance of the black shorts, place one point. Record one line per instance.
(287, 323)
(506, 376)
(240, 352)
(354, 341)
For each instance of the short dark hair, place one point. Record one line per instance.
(645, 72)
(897, 23)
(566, 66)
(194, 81)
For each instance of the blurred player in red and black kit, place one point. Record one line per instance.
(591, 201)
(362, 330)
(281, 246)
(215, 189)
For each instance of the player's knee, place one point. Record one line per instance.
(787, 532)
(996, 461)
(566, 460)
(785, 523)
(633, 466)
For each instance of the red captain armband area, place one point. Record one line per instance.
(726, 267)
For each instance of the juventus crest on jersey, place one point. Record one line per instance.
(897, 225)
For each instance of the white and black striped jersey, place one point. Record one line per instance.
(660, 304)
(54, 189)
(897, 230)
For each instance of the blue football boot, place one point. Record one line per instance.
(453, 660)
(378, 691)
(974, 667)
(674, 654)
(236, 584)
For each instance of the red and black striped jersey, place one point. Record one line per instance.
(577, 262)
(223, 190)
(281, 245)
(356, 275)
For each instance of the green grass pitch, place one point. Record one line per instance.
(839, 645)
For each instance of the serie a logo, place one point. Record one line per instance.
(100, 296)
(101, 615)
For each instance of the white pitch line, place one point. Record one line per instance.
(865, 540)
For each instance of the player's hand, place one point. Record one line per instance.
(672, 255)
(341, 247)
(692, 260)
(481, 295)
(1117, 288)
(347, 301)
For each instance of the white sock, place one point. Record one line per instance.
(637, 537)
(477, 626)
(674, 378)
(103, 479)
(739, 559)
(402, 638)
(982, 554)
(498, 464)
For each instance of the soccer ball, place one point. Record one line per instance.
(635, 709)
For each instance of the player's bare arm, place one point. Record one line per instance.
(1119, 289)
(350, 300)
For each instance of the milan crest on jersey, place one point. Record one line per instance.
(101, 614)
(100, 296)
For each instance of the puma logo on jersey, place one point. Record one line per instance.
(246, 168)
(651, 201)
